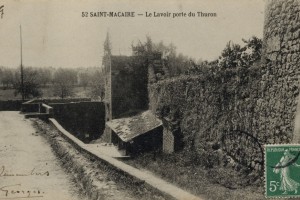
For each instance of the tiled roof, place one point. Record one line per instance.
(131, 127)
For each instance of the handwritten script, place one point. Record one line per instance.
(32, 172)
(1, 11)
(16, 192)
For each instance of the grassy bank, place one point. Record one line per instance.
(96, 179)
(179, 170)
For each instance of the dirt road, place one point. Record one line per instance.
(28, 167)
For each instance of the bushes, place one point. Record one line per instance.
(208, 106)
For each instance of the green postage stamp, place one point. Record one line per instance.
(282, 170)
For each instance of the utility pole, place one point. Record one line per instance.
(22, 75)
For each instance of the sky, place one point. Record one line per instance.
(55, 33)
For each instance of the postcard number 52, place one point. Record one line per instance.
(84, 14)
(273, 186)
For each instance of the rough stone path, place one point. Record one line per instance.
(28, 167)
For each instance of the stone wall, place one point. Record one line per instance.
(281, 69)
(126, 82)
(208, 107)
(125, 87)
(86, 120)
(59, 100)
(11, 105)
(128, 85)
(258, 110)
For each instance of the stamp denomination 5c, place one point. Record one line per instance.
(282, 170)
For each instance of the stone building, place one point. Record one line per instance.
(267, 107)
(126, 101)
(264, 110)
(137, 134)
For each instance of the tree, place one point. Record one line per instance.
(253, 50)
(31, 87)
(64, 82)
(231, 56)
(236, 56)
(175, 64)
(97, 85)
(84, 78)
(7, 78)
(44, 76)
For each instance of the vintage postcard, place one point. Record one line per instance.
(140, 99)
